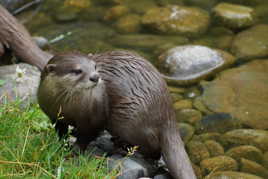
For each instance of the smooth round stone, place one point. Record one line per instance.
(186, 131)
(197, 151)
(115, 12)
(190, 63)
(189, 115)
(218, 122)
(214, 148)
(265, 160)
(231, 175)
(183, 104)
(175, 19)
(253, 168)
(251, 43)
(245, 151)
(129, 24)
(241, 92)
(219, 163)
(234, 16)
(257, 138)
(246, 2)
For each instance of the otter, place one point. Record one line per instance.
(118, 91)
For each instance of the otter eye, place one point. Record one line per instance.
(76, 71)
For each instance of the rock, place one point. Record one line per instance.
(231, 175)
(219, 163)
(197, 151)
(265, 160)
(241, 92)
(234, 16)
(257, 138)
(190, 63)
(192, 93)
(214, 148)
(188, 115)
(183, 104)
(253, 168)
(175, 19)
(176, 97)
(251, 43)
(143, 41)
(19, 81)
(129, 24)
(130, 168)
(42, 42)
(163, 176)
(247, 152)
(246, 2)
(208, 136)
(176, 90)
(186, 132)
(169, 2)
(104, 142)
(218, 122)
(197, 171)
(116, 12)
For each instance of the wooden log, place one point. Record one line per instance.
(15, 37)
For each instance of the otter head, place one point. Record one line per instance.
(74, 71)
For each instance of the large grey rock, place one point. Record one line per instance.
(19, 82)
(251, 43)
(177, 20)
(191, 63)
(130, 167)
(241, 92)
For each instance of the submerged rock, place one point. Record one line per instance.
(115, 12)
(218, 122)
(186, 132)
(234, 16)
(177, 20)
(251, 43)
(241, 92)
(189, 115)
(197, 151)
(19, 81)
(245, 151)
(231, 175)
(253, 168)
(214, 148)
(190, 63)
(220, 163)
(129, 24)
(257, 138)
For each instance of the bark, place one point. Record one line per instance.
(15, 37)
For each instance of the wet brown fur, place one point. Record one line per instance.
(137, 108)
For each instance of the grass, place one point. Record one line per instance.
(29, 148)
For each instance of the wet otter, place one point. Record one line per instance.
(130, 100)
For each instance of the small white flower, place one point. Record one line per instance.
(20, 72)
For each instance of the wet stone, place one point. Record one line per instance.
(183, 104)
(241, 92)
(116, 12)
(163, 176)
(265, 160)
(186, 132)
(190, 63)
(176, 97)
(219, 163)
(247, 152)
(253, 168)
(129, 24)
(188, 115)
(218, 122)
(251, 43)
(234, 16)
(19, 81)
(180, 20)
(197, 151)
(257, 138)
(231, 175)
(131, 168)
(214, 148)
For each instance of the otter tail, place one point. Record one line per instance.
(174, 154)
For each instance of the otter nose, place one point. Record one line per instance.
(94, 78)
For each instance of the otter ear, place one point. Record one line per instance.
(50, 68)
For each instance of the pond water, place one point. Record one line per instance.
(222, 53)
